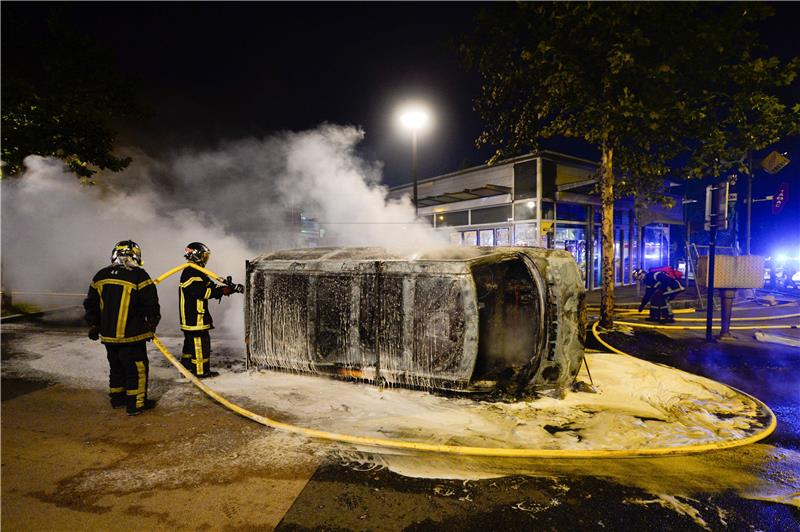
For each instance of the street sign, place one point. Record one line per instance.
(774, 162)
(717, 197)
(780, 199)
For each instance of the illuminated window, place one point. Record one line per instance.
(502, 236)
(526, 235)
(470, 238)
(487, 237)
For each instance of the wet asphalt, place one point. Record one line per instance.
(597, 497)
(592, 495)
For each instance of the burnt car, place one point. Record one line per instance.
(452, 319)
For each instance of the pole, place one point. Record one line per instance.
(712, 248)
(414, 168)
(749, 203)
(710, 293)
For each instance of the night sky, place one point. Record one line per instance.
(219, 71)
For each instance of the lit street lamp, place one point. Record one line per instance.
(414, 118)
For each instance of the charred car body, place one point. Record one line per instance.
(455, 319)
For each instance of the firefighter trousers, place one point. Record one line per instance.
(196, 355)
(660, 308)
(128, 373)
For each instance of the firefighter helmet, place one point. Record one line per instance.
(197, 252)
(127, 253)
(638, 274)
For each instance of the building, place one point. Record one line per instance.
(546, 199)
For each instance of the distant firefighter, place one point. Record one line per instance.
(663, 284)
(194, 292)
(122, 310)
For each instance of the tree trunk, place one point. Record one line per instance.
(607, 231)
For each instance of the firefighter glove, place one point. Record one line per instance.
(94, 333)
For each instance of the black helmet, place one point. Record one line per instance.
(127, 253)
(197, 252)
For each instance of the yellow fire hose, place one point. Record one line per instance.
(630, 313)
(703, 327)
(388, 443)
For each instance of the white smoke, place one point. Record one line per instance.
(241, 199)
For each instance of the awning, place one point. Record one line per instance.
(464, 195)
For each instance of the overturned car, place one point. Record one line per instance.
(453, 319)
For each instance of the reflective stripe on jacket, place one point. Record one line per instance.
(194, 291)
(123, 304)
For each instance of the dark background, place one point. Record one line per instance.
(212, 72)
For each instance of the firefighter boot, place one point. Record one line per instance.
(147, 405)
(117, 396)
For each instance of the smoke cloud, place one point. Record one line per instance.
(241, 199)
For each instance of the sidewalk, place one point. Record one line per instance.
(629, 296)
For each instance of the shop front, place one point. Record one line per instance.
(546, 200)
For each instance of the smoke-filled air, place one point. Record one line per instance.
(240, 199)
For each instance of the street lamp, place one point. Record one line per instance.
(414, 118)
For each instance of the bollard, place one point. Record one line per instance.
(726, 296)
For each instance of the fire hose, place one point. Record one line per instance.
(389, 443)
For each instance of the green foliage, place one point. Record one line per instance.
(744, 114)
(654, 82)
(61, 95)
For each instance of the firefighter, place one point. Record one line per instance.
(194, 291)
(122, 311)
(663, 285)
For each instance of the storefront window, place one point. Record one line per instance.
(548, 210)
(525, 210)
(656, 246)
(491, 215)
(597, 270)
(571, 212)
(452, 218)
(619, 254)
(455, 239)
(487, 237)
(470, 238)
(573, 239)
(503, 236)
(525, 180)
(526, 235)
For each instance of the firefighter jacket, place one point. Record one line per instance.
(660, 281)
(193, 294)
(123, 304)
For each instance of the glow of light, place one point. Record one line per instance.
(414, 117)
(651, 256)
(780, 257)
(530, 204)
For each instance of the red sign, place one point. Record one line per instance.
(780, 199)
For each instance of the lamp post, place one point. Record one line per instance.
(414, 118)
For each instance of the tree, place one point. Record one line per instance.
(627, 78)
(61, 93)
